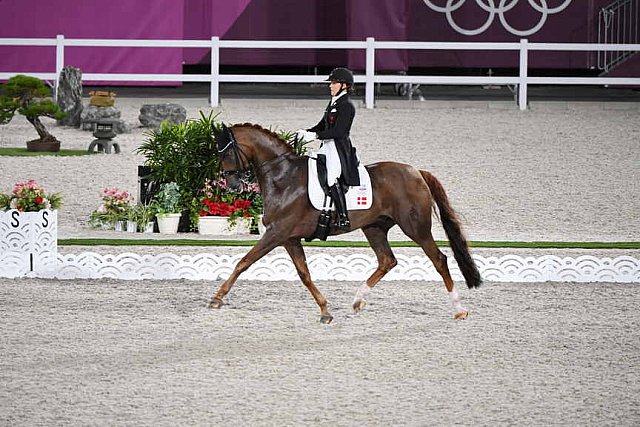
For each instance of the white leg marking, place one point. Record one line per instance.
(362, 293)
(455, 302)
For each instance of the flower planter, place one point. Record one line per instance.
(28, 242)
(168, 223)
(261, 227)
(132, 227)
(148, 227)
(120, 226)
(243, 226)
(220, 226)
(214, 226)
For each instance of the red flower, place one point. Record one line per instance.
(39, 200)
(242, 204)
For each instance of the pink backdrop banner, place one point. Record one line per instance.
(95, 19)
(385, 20)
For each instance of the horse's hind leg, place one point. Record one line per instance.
(296, 252)
(377, 237)
(439, 261)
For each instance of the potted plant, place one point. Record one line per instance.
(185, 154)
(28, 229)
(223, 212)
(167, 204)
(144, 215)
(113, 210)
(132, 219)
(28, 196)
(28, 96)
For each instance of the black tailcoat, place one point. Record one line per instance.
(336, 125)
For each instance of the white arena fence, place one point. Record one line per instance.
(354, 267)
(370, 78)
(28, 248)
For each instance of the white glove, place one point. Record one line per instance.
(306, 136)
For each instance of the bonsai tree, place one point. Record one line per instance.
(28, 96)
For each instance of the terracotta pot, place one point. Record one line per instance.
(40, 146)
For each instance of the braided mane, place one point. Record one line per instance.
(266, 132)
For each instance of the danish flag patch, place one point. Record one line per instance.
(361, 200)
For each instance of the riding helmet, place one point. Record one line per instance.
(341, 75)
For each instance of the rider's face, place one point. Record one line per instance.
(335, 88)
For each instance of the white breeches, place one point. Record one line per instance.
(334, 169)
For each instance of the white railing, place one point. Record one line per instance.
(370, 78)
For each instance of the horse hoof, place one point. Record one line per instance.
(215, 303)
(461, 315)
(326, 319)
(358, 305)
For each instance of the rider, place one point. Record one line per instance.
(333, 129)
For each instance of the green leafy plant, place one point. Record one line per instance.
(298, 145)
(187, 155)
(28, 196)
(142, 214)
(183, 153)
(28, 96)
(168, 199)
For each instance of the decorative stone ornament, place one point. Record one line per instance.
(101, 98)
(104, 133)
(28, 243)
(93, 114)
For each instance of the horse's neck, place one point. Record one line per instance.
(281, 171)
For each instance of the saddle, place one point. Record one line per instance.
(358, 197)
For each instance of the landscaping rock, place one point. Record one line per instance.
(152, 115)
(69, 96)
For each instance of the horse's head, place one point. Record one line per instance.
(234, 159)
(246, 146)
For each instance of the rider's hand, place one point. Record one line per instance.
(306, 136)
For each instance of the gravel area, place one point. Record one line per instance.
(544, 174)
(149, 353)
(83, 352)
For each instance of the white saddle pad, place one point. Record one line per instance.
(359, 197)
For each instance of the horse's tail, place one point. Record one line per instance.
(453, 229)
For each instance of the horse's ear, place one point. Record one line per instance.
(220, 135)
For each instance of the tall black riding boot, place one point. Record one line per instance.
(341, 206)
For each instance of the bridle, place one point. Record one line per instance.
(241, 160)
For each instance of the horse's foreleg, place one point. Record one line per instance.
(377, 237)
(263, 247)
(296, 252)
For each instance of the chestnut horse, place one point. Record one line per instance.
(402, 195)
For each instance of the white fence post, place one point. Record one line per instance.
(214, 94)
(370, 71)
(59, 61)
(524, 64)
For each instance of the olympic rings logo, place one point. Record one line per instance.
(504, 6)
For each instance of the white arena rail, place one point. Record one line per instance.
(354, 267)
(370, 78)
